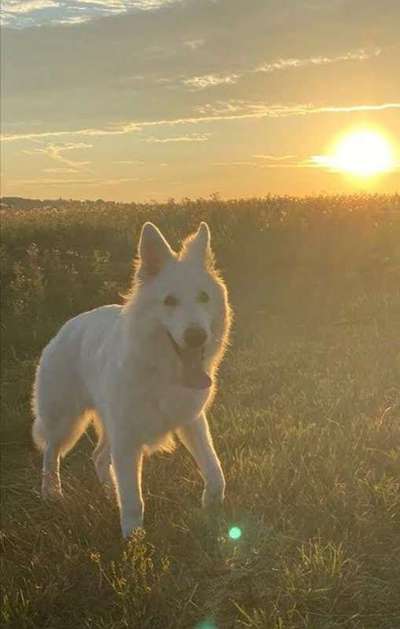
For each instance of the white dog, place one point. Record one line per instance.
(141, 372)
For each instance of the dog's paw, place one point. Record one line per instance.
(131, 527)
(213, 496)
(51, 487)
(52, 493)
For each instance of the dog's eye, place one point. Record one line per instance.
(203, 297)
(170, 300)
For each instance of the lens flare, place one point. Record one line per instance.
(362, 153)
(206, 624)
(235, 532)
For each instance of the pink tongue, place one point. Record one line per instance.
(193, 374)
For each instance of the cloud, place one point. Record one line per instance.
(77, 19)
(241, 109)
(117, 181)
(210, 80)
(25, 13)
(194, 137)
(47, 181)
(116, 130)
(272, 161)
(291, 63)
(128, 162)
(205, 81)
(236, 163)
(72, 182)
(231, 110)
(26, 6)
(274, 158)
(194, 44)
(108, 4)
(121, 6)
(54, 151)
(59, 171)
(331, 163)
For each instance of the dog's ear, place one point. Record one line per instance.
(154, 251)
(198, 246)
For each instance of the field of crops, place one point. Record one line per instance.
(306, 422)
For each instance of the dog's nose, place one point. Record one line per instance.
(195, 337)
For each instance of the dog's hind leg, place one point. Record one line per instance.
(55, 437)
(102, 456)
(51, 482)
(102, 461)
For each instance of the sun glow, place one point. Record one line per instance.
(362, 153)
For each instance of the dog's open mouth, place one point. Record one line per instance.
(193, 373)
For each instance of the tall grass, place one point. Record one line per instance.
(306, 421)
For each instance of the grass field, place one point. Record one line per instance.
(306, 422)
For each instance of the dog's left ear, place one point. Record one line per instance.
(198, 246)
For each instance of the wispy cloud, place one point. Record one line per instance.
(23, 13)
(234, 163)
(210, 80)
(74, 19)
(194, 44)
(26, 6)
(90, 181)
(194, 137)
(128, 162)
(125, 5)
(121, 129)
(108, 4)
(233, 110)
(239, 109)
(275, 161)
(59, 171)
(117, 181)
(274, 158)
(319, 60)
(205, 81)
(55, 152)
(330, 163)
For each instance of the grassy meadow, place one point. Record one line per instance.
(306, 422)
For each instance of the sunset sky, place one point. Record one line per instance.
(151, 99)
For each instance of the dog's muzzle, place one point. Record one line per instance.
(191, 357)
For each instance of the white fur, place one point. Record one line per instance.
(116, 366)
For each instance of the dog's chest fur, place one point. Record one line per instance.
(145, 391)
(163, 402)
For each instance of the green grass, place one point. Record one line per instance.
(306, 421)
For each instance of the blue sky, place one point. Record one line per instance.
(143, 99)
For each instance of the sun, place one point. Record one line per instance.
(362, 153)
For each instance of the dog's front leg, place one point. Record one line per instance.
(127, 466)
(197, 439)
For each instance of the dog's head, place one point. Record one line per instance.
(183, 292)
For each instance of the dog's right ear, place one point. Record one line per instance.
(154, 251)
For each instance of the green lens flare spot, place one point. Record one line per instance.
(206, 624)
(235, 532)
